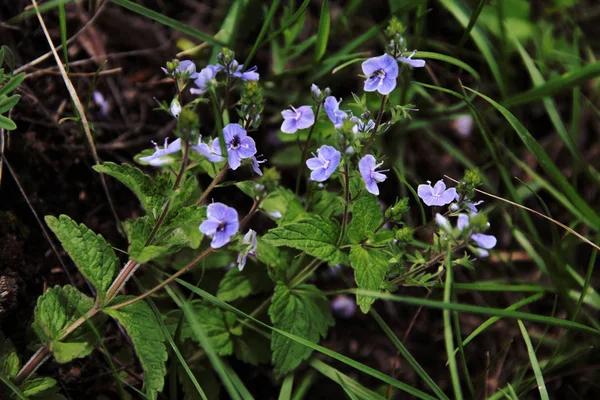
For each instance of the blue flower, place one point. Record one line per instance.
(368, 170)
(332, 107)
(250, 240)
(185, 69)
(221, 223)
(360, 127)
(443, 222)
(256, 165)
(413, 63)
(343, 306)
(485, 242)
(160, 156)
(205, 78)
(235, 69)
(294, 119)
(381, 74)
(437, 195)
(175, 108)
(324, 163)
(211, 151)
(315, 91)
(100, 102)
(239, 144)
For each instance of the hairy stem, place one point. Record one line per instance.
(305, 149)
(217, 179)
(377, 123)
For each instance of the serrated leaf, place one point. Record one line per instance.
(9, 359)
(237, 284)
(188, 220)
(302, 311)
(140, 322)
(65, 352)
(286, 203)
(219, 326)
(93, 256)
(327, 204)
(366, 217)
(276, 260)
(151, 193)
(35, 386)
(370, 267)
(316, 236)
(138, 232)
(58, 308)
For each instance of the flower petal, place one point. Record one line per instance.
(463, 222)
(289, 126)
(485, 241)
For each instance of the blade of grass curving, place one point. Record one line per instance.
(448, 336)
(545, 162)
(534, 362)
(10, 384)
(237, 382)
(588, 280)
(80, 111)
(461, 350)
(472, 21)
(158, 17)
(480, 39)
(304, 385)
(447, 59)
(286, 24)
(286, 388)
(555, 85)
(263, 31)
(407, 355)
(62, 21)
(500, 286)
(349, 385)
(323, 32)
(333, 354)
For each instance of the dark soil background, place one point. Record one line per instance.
(52, 163)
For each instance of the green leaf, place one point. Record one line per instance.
(56, 309)
(12, 84)
(151, 193)
(93, 256)
(302, 311)
(323, 32)
(32, 387)
(187, 220)
(148, 341)
(286, 203)
(65, 352)
(237, 284)
(366, 217)
(7, 103)
(9, 359)
(370, 267)
(6, 123)
(316, 236)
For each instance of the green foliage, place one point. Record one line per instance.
(57, 309)
(323, 32)
(316, 236)
(286, 203)
(8, 84)
(366, 217)
(302, 311)
(370, 267)
(148, 341)
(93, 256)
(9, 359)
(238, 284)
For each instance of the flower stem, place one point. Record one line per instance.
(305, 149)
(377, 123)
(212, 185)
(346, 204)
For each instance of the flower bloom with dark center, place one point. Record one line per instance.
(239, 144)
(437, 195)
(324, 163)
(205, 78)
(381, 73)
(160, 156)
(368, 170)
(221, 224)
(337, 116)
(297, 118)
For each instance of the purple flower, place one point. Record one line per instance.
(413, 63)
(437, 195)
(332, 107)
(256, 165)
(250, 240)
(360, 127)
(324, 163)
(315, 91)
(235, 69)
(205, 78)
(367, 167)
(483, 241)
(175, 108)
(211, 151)
(343, 306)
(186, 68)
(463, 125)
(443, 222)
(101, 102)
(160, 155)
(381, 74)
(239, 144)
(294, 119)
(221, 223)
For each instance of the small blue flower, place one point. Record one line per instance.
(436, 196)
(221, 223)
(332, 107)
(294, 119)
(235, 69)
(413, 63)
(360, 127)
(343, 306)
(211, 151)
(160, 156)
(185, 69)
(324, 163)
(239, 144)
(368, 170)
(100, 102)
(381, 74)
(316, 92)
(485, 242)
(443, 222)
(250, 240)
(256, 165)
(205, 78)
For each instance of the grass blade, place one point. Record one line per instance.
(262, 32)
(448, 336)
(471, 24)
(447, 59)
(286, 388)
(323, 32)
(534, 363)
(348, 384)
(15, 390)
